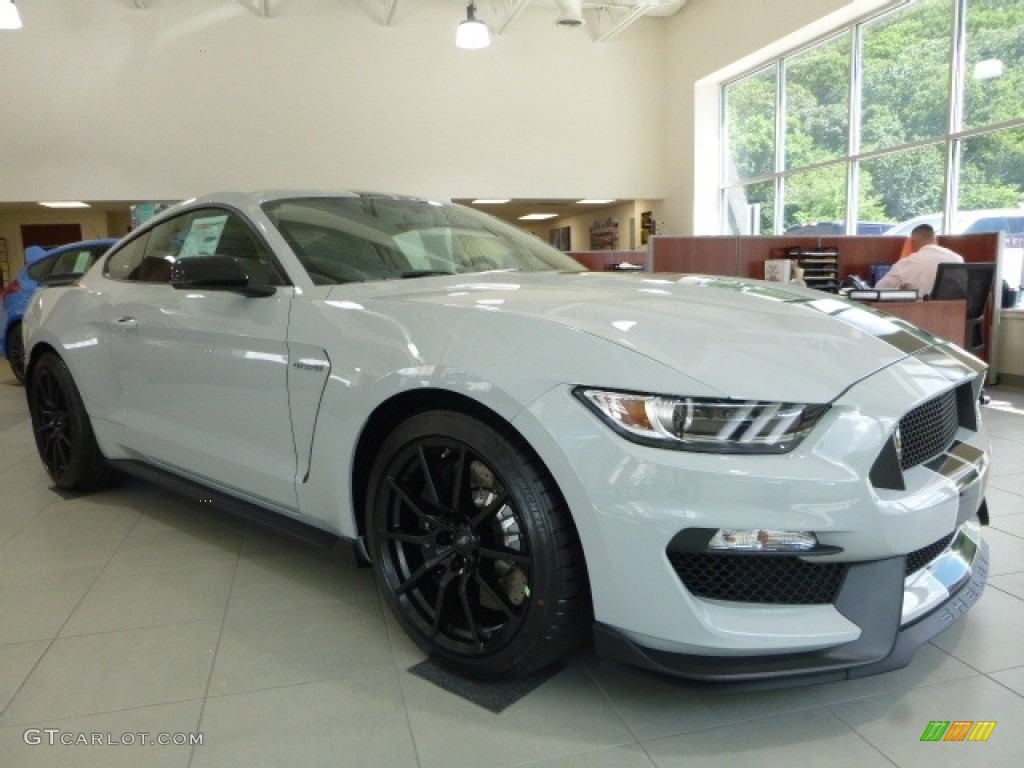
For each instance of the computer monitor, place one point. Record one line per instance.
(878, 271)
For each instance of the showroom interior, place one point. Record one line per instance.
(136, 611)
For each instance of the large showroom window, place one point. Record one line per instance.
(912, 115)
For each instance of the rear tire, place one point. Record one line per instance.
(16, 352)
(474, 547)
(63, 432)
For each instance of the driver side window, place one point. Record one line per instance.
(202, 232)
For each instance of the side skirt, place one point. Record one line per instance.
(245, 510)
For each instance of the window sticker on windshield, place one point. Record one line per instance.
(203, 236)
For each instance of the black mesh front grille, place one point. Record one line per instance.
(773, 579)
(919, 558)
(928, 430)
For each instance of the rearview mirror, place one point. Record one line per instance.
(215, 273)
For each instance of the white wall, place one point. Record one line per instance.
(1011, 347)
(104, 102)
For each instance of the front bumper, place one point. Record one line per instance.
(636, 508)
(870, 599)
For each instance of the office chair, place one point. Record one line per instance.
(971, 281)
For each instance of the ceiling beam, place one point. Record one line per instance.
(510, 12)
(259, 7)
(611, 22)
(390, 11)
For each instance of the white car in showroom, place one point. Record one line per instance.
(714, 478)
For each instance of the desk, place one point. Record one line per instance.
(600, 261)
(946, 319)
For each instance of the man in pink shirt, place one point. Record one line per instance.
(917, 271)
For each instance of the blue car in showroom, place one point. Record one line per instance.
(68, 261)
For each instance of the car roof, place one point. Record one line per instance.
(254, 199)
(905, 227)
(968, 219)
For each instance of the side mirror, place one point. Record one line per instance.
(215, 273)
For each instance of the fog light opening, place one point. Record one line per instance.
(762, 540)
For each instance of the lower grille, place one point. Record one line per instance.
(777, 579)
(928, 430)
(919, 558)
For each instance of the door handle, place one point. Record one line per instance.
(126, 323)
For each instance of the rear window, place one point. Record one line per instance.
(41, 268)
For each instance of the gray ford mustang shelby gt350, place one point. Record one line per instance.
(715, 478)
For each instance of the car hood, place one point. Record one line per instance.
(742, 338)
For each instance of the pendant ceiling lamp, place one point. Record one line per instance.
(9, 17)
(472, 33)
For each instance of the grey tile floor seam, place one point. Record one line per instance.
(896, 723)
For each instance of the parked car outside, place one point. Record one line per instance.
(1009, 221)
(64, 261)
(713, 477)
(838, 228)
(904, 228)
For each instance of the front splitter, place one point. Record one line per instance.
(885, 644)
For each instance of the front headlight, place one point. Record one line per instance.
(704, 424)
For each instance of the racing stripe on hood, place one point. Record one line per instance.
(904, 336)
(892, 330)
(900, 334)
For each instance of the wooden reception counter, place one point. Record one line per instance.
(945, 319)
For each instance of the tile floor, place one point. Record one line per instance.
(134, 612)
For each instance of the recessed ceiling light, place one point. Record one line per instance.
(538, 216)
(65, 204)
(594, 202)
(486, 201)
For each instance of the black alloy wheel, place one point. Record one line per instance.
(64, 436)
(474, 547)
(16, 352)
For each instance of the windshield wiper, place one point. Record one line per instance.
(424, 273)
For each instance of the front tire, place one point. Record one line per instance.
(64, 436)
(475, 548)
(16, 352)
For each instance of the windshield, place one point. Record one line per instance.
(353, 239)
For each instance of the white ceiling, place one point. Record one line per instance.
(606, 17)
